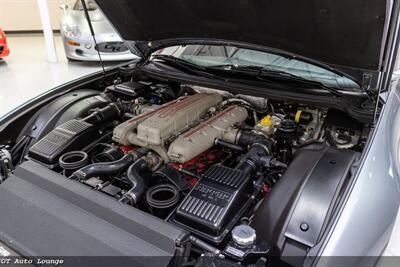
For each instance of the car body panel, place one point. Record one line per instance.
(368, 216)
(4, 49)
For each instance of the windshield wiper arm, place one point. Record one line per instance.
(258, 72)
(186, 65)
(262, 72)
(176, 60)
(334, 91)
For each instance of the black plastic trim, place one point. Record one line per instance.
(50, 215)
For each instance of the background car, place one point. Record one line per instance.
(4, 50)
(78, 42)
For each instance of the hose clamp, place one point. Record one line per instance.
(262, 146)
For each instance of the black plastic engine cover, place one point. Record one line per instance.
(73, 134)
(44, 214)
(216, 203)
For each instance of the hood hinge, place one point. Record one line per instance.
(372, 94)
(366, 85)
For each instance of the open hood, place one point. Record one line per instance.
(349, 35)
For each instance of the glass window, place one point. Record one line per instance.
(213, 55)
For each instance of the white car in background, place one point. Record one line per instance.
(78, 42)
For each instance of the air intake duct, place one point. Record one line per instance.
(259, 154)
(106, 114)
(72, 135)
(103, 168)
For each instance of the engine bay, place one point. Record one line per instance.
(198, 158)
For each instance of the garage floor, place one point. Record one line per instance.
(27, 73)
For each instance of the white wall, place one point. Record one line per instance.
(23, 15)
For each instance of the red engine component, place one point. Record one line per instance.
(266, 188)
(126, 149)
(200, 163)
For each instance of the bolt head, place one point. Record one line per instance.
(304, 227)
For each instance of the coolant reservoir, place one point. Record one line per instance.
(266, 125)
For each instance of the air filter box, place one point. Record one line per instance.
(72, 135)
(130, 90)
(216, 203)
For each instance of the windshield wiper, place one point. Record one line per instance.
(260, 72)
(177, 60)
(185, 65)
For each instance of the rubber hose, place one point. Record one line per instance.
(235, 147)
(246, 138)
(259, 147)
(108, 113)
(136, 180)
(103, 168)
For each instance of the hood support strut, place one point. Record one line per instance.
(85, 10)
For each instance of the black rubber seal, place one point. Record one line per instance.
(73, 160)
(162, 196)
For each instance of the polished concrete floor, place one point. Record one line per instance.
(26, 73)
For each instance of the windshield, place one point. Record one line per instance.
(213, 55)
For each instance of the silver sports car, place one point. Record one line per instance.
(78, 42)
(248, 133)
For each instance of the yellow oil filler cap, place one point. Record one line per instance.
(297, 116)
(266, 121)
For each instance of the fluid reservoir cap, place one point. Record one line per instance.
(243, 235)
(266, 121)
